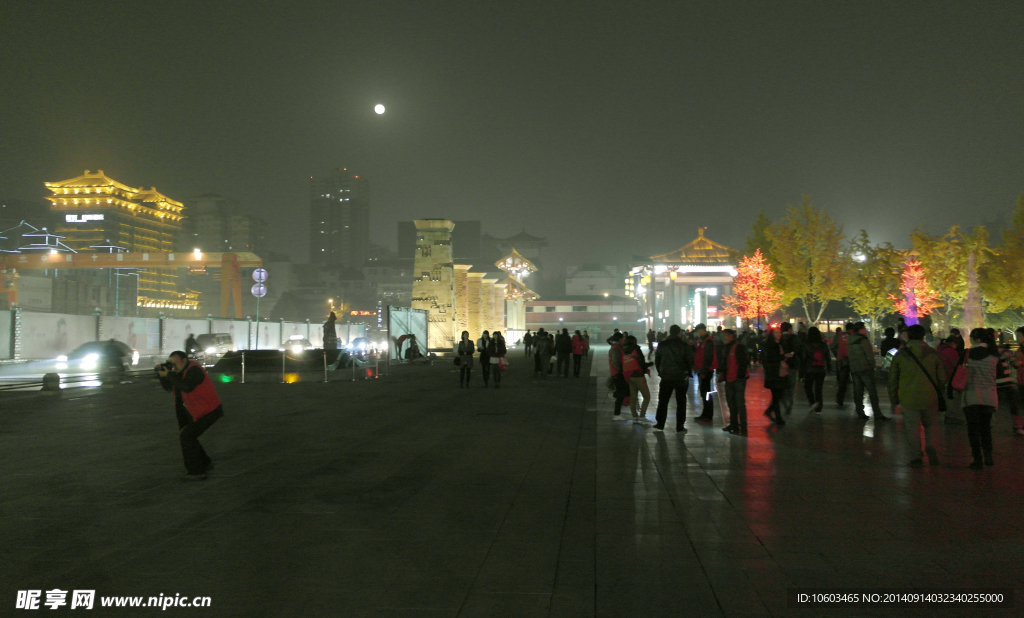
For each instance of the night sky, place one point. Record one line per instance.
(613, 129)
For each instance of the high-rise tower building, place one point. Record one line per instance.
(218, 223)
(339, 224)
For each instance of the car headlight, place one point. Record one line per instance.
(362, 346)
(89, 361)
(296, 349)
(135, 357)
(211, 350)
(62, 359)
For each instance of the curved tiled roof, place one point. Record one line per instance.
(701, 250)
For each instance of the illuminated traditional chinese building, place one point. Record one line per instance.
(516, 292)
(93, 210)
(684, 286)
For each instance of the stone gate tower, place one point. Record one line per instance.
(433, 286)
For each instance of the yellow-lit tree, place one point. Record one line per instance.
(946, 260)
(753, 294)
(808, 258)
(1002, 279)
(873, 277)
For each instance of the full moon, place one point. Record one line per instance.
(378, 108)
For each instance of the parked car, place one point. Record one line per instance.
(99, 356)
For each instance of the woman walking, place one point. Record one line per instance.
(980, 397)
(776, 373)
(579, 349)
(464, 349)
(497, 357)
(817, 363)
(634, 369)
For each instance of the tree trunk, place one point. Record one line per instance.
(974, 317)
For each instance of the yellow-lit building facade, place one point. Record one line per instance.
(93, 210)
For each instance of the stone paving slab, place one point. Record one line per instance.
(407, 496)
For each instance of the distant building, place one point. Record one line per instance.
(593, 280)
(599, 316)
(216, 223)
(684, 286)
(339, 219)
(493, 248)
(466, 239)
(93, 210)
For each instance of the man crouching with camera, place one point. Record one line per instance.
(197, 406)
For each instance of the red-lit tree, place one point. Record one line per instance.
(753, 294)
(919, 299)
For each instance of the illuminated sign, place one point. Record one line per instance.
(82, 218)
(362, 313)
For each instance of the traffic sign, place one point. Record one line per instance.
(259, 275)
(259, 290)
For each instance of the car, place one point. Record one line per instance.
(215, 345)
(98, 356)
(297, 343)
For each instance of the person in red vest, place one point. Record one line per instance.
(197, 405)
(705, 362)
(734, 364)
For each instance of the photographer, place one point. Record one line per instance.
(197, 406)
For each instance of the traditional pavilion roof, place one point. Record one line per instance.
(91, 185)
(515, 290)
(699, 251)
(515, 263)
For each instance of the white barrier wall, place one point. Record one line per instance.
(47, 335)
(238, 329)
(288, 329)
(142, 334)
(177, 331)
(5, 334)
(269, 335)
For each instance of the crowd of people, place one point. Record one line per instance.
(925, 381)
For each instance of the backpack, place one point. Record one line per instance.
(630, 364)
(818, 357)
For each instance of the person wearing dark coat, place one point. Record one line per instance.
(464, 350)
(773, 361)
(817, 363)
(791, 349)
(704, 364)
(563, 351)
(482, 346)
(674, 362)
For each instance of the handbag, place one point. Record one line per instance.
(783, 369)
(458, 361)
(938, 391)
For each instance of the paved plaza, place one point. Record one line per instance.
(407, 496)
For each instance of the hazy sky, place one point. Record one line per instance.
(611, 128)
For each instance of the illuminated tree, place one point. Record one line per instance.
(754, 295)
(874, 277)
(919, 299)
(947, 259)
(807, 255)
